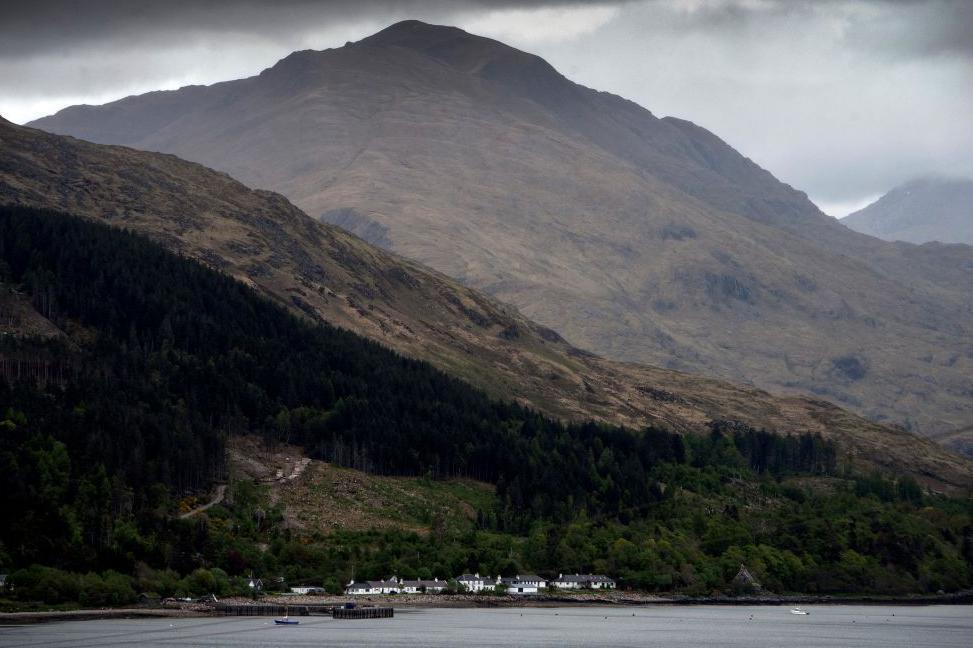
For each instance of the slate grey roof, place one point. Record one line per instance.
(373, 584)
(471, 577)
(523, 578)
(423, 583)
(583, 578)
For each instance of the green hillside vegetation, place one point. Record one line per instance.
(346, 499)
(165, 360)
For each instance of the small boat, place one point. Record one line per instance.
(799, 611)
(286, 620)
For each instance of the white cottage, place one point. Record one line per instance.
(390, 586)
(358, 589)
(524, 584)
(434, 586)
(307, 589)
(476, 583)
(583, 581)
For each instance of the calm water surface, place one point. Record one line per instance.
(704, 626)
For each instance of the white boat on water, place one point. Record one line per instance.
(799, 611)
(286, 620)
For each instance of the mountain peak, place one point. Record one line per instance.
(931, 208)
(416, 34)
(438, 41)
(454, 47)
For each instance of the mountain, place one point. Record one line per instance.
(920, 211)
(324, 273)
(642, 239)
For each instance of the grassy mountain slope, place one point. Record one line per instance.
(326, 273)
(325, 498)
(642, 239)
(921, 211)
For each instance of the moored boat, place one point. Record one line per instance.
(286, 620)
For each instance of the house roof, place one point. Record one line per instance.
(523, 578)
(583, 578)
(373, 584)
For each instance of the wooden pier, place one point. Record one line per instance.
(270, 609)
(277, 610)
(363, 613)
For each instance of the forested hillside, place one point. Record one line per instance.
(323, 273)
(164, 359)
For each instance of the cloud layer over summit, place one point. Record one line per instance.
(841, 99)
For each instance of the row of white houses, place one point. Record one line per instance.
(396, 586)
(526, 584)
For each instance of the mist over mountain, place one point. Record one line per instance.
(920, 211)
(639, 238)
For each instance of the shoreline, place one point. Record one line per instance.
(30, 618)
(609, 599)
(465, 601)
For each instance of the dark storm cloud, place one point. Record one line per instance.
(841, 98)
(919, 28)
(913, 27)
(28, 28)
(901, 28)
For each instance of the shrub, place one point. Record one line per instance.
(37, 583)
(109, 588)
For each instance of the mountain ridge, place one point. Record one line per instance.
(642, 239)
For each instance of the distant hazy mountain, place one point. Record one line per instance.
(929, 209)
(643, 239)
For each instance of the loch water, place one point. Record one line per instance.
(839, 626)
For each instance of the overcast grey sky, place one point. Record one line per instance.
(840, 99)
